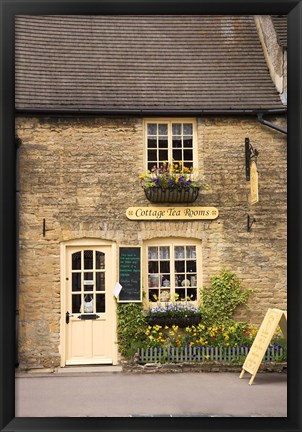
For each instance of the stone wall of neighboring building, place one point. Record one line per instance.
(275, 54)
(81, 174)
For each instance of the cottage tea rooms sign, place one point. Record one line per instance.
(171, 213)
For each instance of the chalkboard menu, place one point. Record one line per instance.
(130, 274)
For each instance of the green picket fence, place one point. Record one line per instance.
(202, 354)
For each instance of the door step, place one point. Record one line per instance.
(89, 369)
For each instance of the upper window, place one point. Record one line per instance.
(170, 141)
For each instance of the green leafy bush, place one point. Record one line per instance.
(131, 328)
(219, 302)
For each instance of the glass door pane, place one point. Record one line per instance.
(88, 282)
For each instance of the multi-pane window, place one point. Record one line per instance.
(172, 273)
(170, 141)
(88, 281)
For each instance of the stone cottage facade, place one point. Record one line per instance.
(98, 99)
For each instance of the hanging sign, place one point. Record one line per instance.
(171, 213)
(272, 319)
(254, 183)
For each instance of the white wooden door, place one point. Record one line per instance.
(90, 310)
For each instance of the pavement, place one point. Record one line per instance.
(110, 392)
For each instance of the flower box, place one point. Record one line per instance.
(182, 315)
(181, 321)
(160, 195)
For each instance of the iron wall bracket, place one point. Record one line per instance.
(250, 222)
(250, 153)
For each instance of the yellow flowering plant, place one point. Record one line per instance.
(238, 334)
(171, 176)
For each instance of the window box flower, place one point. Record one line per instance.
(160, 195)
(171, 183)
(174, 314)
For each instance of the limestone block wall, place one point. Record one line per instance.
(275, 55)
(81, 174)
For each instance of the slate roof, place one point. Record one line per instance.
(141, 64)
(280, 24)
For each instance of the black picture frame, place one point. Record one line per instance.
(10, 8)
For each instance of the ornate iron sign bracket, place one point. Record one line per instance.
(250, 153)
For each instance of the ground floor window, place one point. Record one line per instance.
(173, 271)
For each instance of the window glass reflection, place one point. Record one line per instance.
(88, 259)
(76, 261)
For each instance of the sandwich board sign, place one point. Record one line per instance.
(272, 319)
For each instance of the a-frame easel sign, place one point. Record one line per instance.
(272, 319)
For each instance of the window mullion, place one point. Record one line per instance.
(157, 145)
(170, 142)
(172, 271)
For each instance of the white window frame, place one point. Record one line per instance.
(169, 121)
(172, 242)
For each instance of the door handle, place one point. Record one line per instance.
(67, 317)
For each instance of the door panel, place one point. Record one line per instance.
(89, 332)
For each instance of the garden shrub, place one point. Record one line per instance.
(131, 328)
(219, 302)
(216, 329)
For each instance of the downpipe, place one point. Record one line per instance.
(271, 125)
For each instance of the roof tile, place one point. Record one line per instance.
(141, 62)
